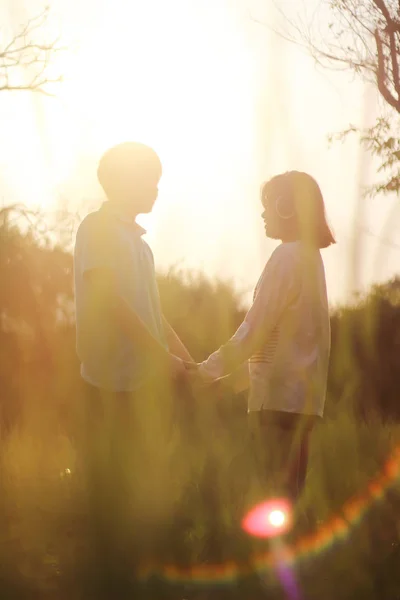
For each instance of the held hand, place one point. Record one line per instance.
(191, 367)
(188, 372)
(192, 374)
(177, 368)
(202, 382)
(182, 370)
(200, 377)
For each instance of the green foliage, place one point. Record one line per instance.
(381, 141)
(204, 314)
(365, 354)
(363, 38)
(73, 528)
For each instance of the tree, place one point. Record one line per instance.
(362, 36)
(365, 358)
(26, 56)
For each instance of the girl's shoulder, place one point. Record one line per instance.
(283, 260)
(294, 253)
(286, 253)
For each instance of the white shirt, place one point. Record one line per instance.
(109, 358)
(285, 336)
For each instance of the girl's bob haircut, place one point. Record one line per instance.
(300, 208)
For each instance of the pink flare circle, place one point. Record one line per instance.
(261, 521)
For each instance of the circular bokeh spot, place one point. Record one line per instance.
(269, 519)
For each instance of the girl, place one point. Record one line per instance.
(284, 339)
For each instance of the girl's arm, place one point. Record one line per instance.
(278, 287)
(238, 381)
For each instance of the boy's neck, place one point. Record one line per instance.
(123, 208)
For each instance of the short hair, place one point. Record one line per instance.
(133, 157)
(302, 194)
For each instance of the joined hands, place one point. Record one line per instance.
(196, 377)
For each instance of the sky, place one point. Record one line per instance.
(226, 103)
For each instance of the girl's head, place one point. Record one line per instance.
(295, 210)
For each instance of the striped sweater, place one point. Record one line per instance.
(285, 336)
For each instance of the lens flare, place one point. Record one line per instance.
(277, 518)
(334, 531)
(268, 519)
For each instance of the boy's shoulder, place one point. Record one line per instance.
(91, 220)
(94, 224)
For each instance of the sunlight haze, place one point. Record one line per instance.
(226, 104)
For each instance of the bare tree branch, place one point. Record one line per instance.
(364, 38)
(303, 38)
(349, 41)
(395, 65)
(25, 59)
(380, 4)
(381, 75)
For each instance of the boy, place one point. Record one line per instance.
(131, 361)
(123, 340)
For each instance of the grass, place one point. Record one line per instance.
(73, 530)
(71, 533)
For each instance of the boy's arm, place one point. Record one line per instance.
(175, 344)
(104, 296)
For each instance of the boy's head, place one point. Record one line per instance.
(129, 174)
(295, 209)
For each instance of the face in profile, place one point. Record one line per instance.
(271, 220)
(140, 190)
(145, 191)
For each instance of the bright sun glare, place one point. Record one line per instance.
(276, 518)
(166, 74)
(268, 519)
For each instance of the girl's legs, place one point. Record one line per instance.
(298, 464)
(281, 443)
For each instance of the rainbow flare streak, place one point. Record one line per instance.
(336, 529)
